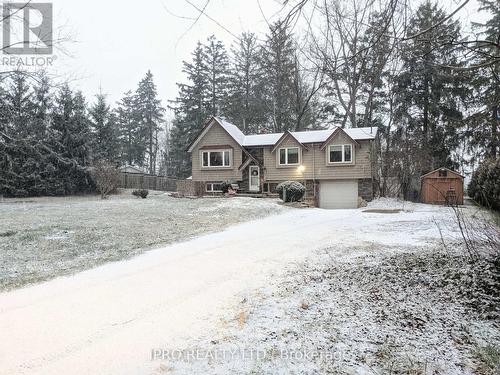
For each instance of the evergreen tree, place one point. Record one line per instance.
(429, 93)
(150, 116)
(71, 139)
(278, 67)
(104, 131)
(375, 88)
(4, 117)
(131, 147)
(191, 111)
(216, 63)
(40, 156)
(19, 106)
(245, 104)
(42, 103)
(483, 125)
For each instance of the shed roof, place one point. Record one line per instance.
(438, 169)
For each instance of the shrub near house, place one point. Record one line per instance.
(291, 191)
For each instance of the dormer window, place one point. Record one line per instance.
(289, 156)
(340, 154)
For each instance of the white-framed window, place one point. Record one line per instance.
(216, 158)
(289, 156)
(213, 187)
(340, 154)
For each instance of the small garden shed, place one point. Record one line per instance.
(442, 186)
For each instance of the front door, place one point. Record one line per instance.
(254, 178)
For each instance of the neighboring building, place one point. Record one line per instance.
(131, 169)
(442, 186)
(337, 165)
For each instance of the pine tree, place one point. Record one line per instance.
(429, 93)
(484, 124)
(71, 140)
(19, 106)
(42, 102)
(216, 62)
(245, 104)
(131, 147)
(104, 131)
(374, 90)
(47, 156)
(191, 111)
(4, 117)
(278, 67)
(150, 116)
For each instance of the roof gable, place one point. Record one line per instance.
(275, 139)
(286, 135)
(232, 130)
(438, 169)
(335, 133)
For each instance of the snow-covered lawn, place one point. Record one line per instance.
(308, 291)
(41, 238)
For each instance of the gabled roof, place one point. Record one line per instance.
(309, 136)
(438, 169)
(272, 139)
(250, 158)
(233, 131)
(334, 133)
(131, 169)
(285, 136)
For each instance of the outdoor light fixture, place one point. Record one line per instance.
(301, 169)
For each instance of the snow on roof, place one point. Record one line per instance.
(360, 134)
(313, 136)
(308, 136)
(262, 139)
(233, 130)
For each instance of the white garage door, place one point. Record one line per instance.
(338, 194)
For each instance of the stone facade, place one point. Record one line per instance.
(365, 189)
(190, 188)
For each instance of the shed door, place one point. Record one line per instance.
(338, 194)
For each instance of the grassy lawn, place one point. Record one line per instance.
(42, 238)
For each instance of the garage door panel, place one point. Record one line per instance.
(338, 194)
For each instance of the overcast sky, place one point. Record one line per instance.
(114, 43)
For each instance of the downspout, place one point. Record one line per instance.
(314, 172)
(373, 155)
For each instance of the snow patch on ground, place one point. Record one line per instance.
(362, 310)
(48, 237)
(356, 284)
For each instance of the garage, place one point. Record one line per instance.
(338, 194)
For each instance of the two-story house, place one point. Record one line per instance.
(336, 165)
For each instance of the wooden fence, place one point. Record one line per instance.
(145, 181)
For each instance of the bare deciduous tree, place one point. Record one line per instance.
(106, 177)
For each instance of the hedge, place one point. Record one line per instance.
(484, 187)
